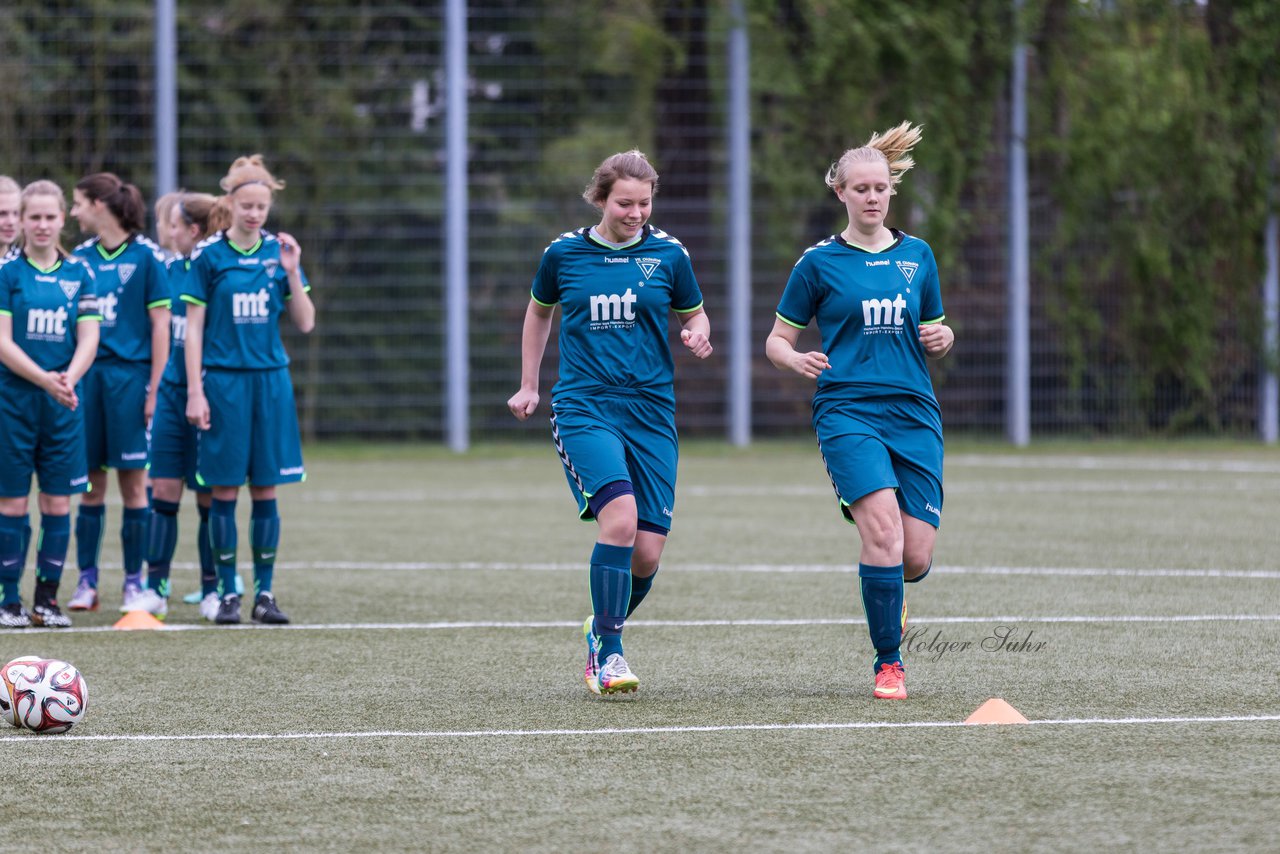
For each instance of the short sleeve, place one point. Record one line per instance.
(197, 285)
(799, 303)
(87, 303)
(546, 284)
(685, 294)
(158, 293)
(931, 300)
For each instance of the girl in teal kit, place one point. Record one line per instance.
(875, 296)
(613, 408)
(48, 339)
(119, 392)
(239, 394)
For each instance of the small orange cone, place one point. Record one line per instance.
(135, 620)
(996, 711)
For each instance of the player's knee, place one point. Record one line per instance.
(916, 567)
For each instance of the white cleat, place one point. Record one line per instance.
(150, 601)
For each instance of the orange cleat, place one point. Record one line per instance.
(891, 682)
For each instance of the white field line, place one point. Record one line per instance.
(439, 625)
(656, 730)
(760, 568)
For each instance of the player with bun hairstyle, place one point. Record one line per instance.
(173, 439)
(10, 202)
(239, 393)
(48, 339)
(874, 293)
(120, 389)
(613, 408)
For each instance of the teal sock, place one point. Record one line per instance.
(264, 532)
(13, 531)
(133, 542)
(162, 541)
(639, 590)
(882, 594)
(51, 551)
(26, 541)
(204, 547)
(89, 522)
(222, 537)
(610, 594)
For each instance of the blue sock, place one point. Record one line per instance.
(639, 590)
(610, 594)
(204, 547)
(13, 531)
(26, 541)
(133, 542)
(89, 522)
(222, 537)
(162, 540)
(264, 532)
(51, 552)
(882, 594)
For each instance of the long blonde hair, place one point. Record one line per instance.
(891, 147)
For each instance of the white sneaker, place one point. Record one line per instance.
(615, 677)
(130, 593)
(209, 606)
(150, 601)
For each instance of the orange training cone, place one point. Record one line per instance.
(996, 711)
(134, 620)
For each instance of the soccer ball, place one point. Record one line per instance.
(44, 694)
(6, 688)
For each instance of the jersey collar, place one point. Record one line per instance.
(56, 264)
(644, 235)
(897, 241)
(245, 252)
(115, 253)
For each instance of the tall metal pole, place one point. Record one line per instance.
(739, 249)
(1269, 416)
(455, 249)
(166, 106)
(1018, 358)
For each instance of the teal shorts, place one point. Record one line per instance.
(173, 438)
(39, 436)
(889, 443)
(619, 438)
(253, 430)
(114, 402)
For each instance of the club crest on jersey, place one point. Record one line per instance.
(69, 287)
(908, 269)
(126, 272)
(271, 265)
(648, 265)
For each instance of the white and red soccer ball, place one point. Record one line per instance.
(42, 694)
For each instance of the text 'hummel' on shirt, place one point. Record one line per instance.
(243, 292)
(615, 304)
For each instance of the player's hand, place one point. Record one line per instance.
(936, 338)
(149, 408)
(290, 252)
(810, 364)
(59, 389)
(697, 343)
(523, 404)
(198, 411)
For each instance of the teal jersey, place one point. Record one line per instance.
(176, 370)
(868, 306)
(47, 307)
(244, 293)
(131, 281)
(615, 305)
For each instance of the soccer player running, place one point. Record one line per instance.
(48, 339)
(613, 407)
(875, 295)
(173, 438)
(119, 392)
(238, 389)
(10, 201)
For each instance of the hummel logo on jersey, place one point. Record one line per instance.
(908, 269)
(250, 308)
(883, 262)
(648, 265)
(69, 287)
(883, 312)
(47, 324)
(617, 260)
(610, 307)
(126, 272)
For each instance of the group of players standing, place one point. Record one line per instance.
(163, 362)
